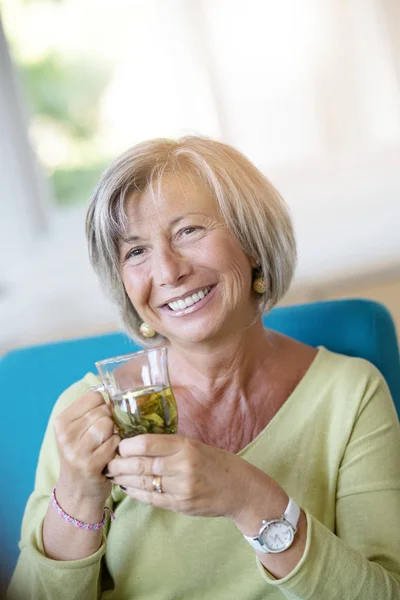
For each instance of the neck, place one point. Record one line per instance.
(231, 363)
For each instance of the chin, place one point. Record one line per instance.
(196, 335)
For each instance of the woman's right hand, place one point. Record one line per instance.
(86, 442)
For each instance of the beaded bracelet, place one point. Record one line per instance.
(76, 522)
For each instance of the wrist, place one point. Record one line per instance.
(77, 504)
(84, 490)
(282, 564)
(266, 502)
(77, 522)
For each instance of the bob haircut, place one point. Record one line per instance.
(253, 210)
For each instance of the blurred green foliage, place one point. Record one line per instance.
(74, 186)
(65, 93)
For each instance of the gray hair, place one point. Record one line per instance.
(252, 208)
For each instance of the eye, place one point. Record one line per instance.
(188, 230)
(134, 253)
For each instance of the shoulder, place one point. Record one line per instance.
(349, 371)
(347, 385)
(320, 371)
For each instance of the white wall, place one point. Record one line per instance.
(347, 217)
(22, 189)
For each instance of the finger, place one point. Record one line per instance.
(83, 405)
(98, 432)
(152, 498)
(143, 482)
(151, 444)
(68, 432)
(106, 452)
(80, 459)
(136, 465)
(101, 414)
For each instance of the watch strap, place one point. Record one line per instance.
(292, 514)
(254, 543)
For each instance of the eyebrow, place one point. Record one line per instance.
(136, 238)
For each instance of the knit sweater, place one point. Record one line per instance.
(334, 446)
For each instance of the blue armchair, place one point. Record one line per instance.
(353, 327)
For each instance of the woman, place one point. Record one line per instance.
(284, 479)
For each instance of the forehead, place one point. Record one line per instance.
(173, 198)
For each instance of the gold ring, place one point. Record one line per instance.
(157, 484)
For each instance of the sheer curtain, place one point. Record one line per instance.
(288, 82)
(308, 89)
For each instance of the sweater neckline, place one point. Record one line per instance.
(291, 399)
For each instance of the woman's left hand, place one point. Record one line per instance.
(196, 479)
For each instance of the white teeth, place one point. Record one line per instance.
(189, 300)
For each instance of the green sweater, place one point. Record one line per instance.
(334, 446)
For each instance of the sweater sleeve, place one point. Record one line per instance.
(37, 577)
(361, 559)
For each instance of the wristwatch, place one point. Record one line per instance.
(277, 535)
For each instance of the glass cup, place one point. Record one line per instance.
(140, 392)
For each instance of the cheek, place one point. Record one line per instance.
(136, 284)
(237, 284)
(236, 273)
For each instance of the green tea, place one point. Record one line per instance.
(149, 409)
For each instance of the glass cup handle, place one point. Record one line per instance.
(100, 388)
(96, 388)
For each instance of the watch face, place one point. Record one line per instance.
(277, 536)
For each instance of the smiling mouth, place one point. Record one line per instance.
(189, 300)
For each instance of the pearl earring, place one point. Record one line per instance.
(146, 330)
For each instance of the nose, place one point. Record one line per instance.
(170, 268)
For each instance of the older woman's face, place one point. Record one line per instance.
(184, 272)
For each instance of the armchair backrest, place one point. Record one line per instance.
(31, 379)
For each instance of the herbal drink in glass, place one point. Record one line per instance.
(140, 392)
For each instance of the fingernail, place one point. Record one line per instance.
(123, 488)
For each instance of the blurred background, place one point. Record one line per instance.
(309, 90)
